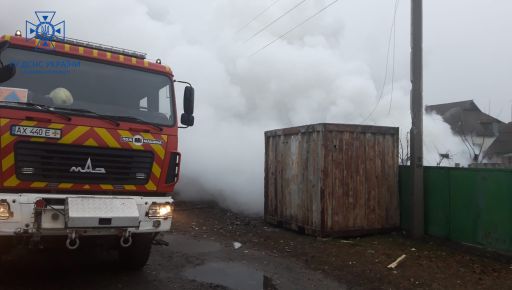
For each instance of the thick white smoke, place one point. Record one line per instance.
(311, 76)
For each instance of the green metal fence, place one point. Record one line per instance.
(464, 204)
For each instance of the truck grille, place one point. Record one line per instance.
(56, 163)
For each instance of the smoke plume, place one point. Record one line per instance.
(329, 70)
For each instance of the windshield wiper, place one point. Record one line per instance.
(140, 121)
(116, 123)
(41, 108)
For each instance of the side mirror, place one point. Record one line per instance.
(188, 100)
(7, 72)
(187, 118)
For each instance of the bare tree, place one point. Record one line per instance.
(468, 138)
(442, 157)
(475, 152)
(404, 155)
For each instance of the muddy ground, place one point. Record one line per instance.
(211, 248)
(355, 263)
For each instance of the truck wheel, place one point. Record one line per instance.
(136, 255)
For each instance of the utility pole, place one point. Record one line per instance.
(417, 206)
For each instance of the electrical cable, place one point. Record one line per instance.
(386, 71)
(293, 28)
(275, 20)
(257, 16)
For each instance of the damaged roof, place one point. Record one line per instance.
(465, 118)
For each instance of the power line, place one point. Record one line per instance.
(293, 28)
(258, 15)
(386, 68)
(275, 20)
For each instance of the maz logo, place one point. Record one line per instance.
(88, 168)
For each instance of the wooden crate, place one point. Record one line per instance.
(332, 179)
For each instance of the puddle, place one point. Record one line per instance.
(232, 275)
(178, 243)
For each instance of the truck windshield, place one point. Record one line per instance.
(63, 82)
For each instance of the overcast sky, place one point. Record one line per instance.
(467, 42)
(330, 69)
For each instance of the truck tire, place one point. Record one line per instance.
(137, 254)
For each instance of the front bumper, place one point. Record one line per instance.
(54, 220)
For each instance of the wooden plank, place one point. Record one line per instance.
(328, 149)
(371, 181)
(380, 164)
(315, 165)
(270, 179)
(347, 183)
(360, 180)
(334, 180)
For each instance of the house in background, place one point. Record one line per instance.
(500, 151)
(476, 129)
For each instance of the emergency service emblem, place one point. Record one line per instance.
(139, 140)
(45, 31)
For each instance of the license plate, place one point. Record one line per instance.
(35, 132)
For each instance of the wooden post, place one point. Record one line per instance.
(417, 229)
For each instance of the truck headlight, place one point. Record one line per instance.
(160, 210)
(5, 210)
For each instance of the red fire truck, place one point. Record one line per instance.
(88, 146)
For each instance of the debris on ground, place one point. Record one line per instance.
(346, 241)
(396, 262)
(437, 264)
(236, 245)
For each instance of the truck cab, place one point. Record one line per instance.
(88, 145)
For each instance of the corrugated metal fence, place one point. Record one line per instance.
(468, 205)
